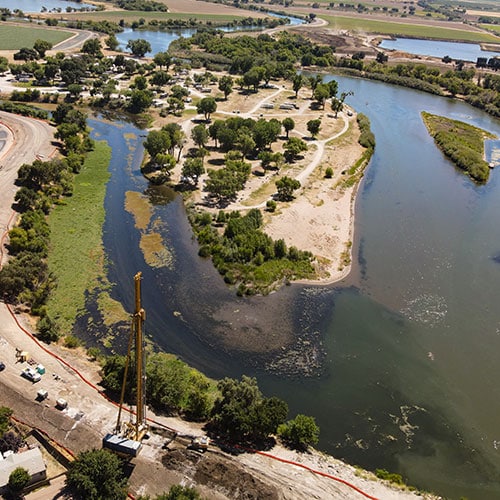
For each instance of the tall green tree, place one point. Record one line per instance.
(313, 127)
(286, 186)
(42, 46)
(97, 475)
(288, 125)
(139, 47)
(206, 106)
(226, 85)
(18, 480)
(298, 82)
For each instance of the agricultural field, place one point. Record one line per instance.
(491, 27)
(15, 37)
(363, 25)
(130, 15)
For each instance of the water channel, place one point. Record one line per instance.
(456, 50)
(412, 337)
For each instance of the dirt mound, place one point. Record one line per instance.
(218, 473)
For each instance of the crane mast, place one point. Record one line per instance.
(126, 440)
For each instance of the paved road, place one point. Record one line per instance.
(75, 42)
(22, 139)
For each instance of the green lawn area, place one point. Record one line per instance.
(76, 256)
(17, 37)
(491, 27)
(407, 29)
(131, 15)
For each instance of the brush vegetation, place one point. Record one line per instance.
(462, 143)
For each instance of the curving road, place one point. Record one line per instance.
(22, 140)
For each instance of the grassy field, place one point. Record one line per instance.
(17, 37)
(131, 15)
(491, 27)
(76, 256)
(403, 29)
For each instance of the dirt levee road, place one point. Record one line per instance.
(22, 140)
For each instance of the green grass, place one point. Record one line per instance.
(406, 29)
(76, 256)
(131, 15)
(17, 37)
(491, 27)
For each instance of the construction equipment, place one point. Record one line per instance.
(126, 439)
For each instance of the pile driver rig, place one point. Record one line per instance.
(126, 440)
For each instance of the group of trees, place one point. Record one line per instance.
(234, 409)
(172, 386)
(165, 147)
(25, 278)
(99, 475)
(245, 255)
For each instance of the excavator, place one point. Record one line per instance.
(126, 439)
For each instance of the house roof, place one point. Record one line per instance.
(31, 460)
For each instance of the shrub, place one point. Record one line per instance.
(300, 432)
(71, 342)
(329, 173)
(271, 205)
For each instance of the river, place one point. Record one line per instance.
(412, 336)
(437, 48)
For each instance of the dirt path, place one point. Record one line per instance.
(22, 140)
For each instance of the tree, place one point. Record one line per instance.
(193, 169)
(26, 54)
(112, 42)
(178, 492)
(163, 59)
(293, 147)
(157, 142)
(18, 480)
(160, 78)
(226, 85)
(206, 106)
(382, 58)
(322, 93)
(314, 81)
(10, 441)
(92, 47)
(300, 432)
(97, 475)
(266, 132)
(5, 414)
(288, 124)
(199, 134)
(313, 127)
(139, 47)
(286, 186)
(140, 100)
(42, 46)
(241, 412)
(298, 82)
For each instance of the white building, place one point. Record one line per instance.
(31, 460)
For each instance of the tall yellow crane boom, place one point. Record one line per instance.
(127, 441)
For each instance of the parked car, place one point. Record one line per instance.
(31, 374)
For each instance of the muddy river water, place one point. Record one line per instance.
(407, 346)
